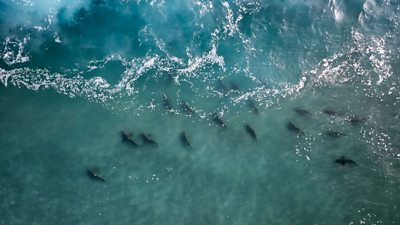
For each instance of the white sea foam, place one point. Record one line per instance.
(337, 11)
(14, 50)
(231, 26)
(340, 67)
(210, 57)
(204, 6)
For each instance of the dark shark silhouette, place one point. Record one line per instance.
(221, 86)
(218, 120)
(187, 109)
(355, 120)
(294, 128)
(343, 161)
(185, 140)
(334, 134)
(251, 132)
(128, 137)
(302, 112)
(167, 104)
(332, 112)
(148, 139)
(252, 106)
(94, 174)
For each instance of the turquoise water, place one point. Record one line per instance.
(75, 74)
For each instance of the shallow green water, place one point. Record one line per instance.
(50, 141)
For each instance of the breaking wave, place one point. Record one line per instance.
(107, 50)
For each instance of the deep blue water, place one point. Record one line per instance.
(314, 79)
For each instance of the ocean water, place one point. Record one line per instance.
(315, 79)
